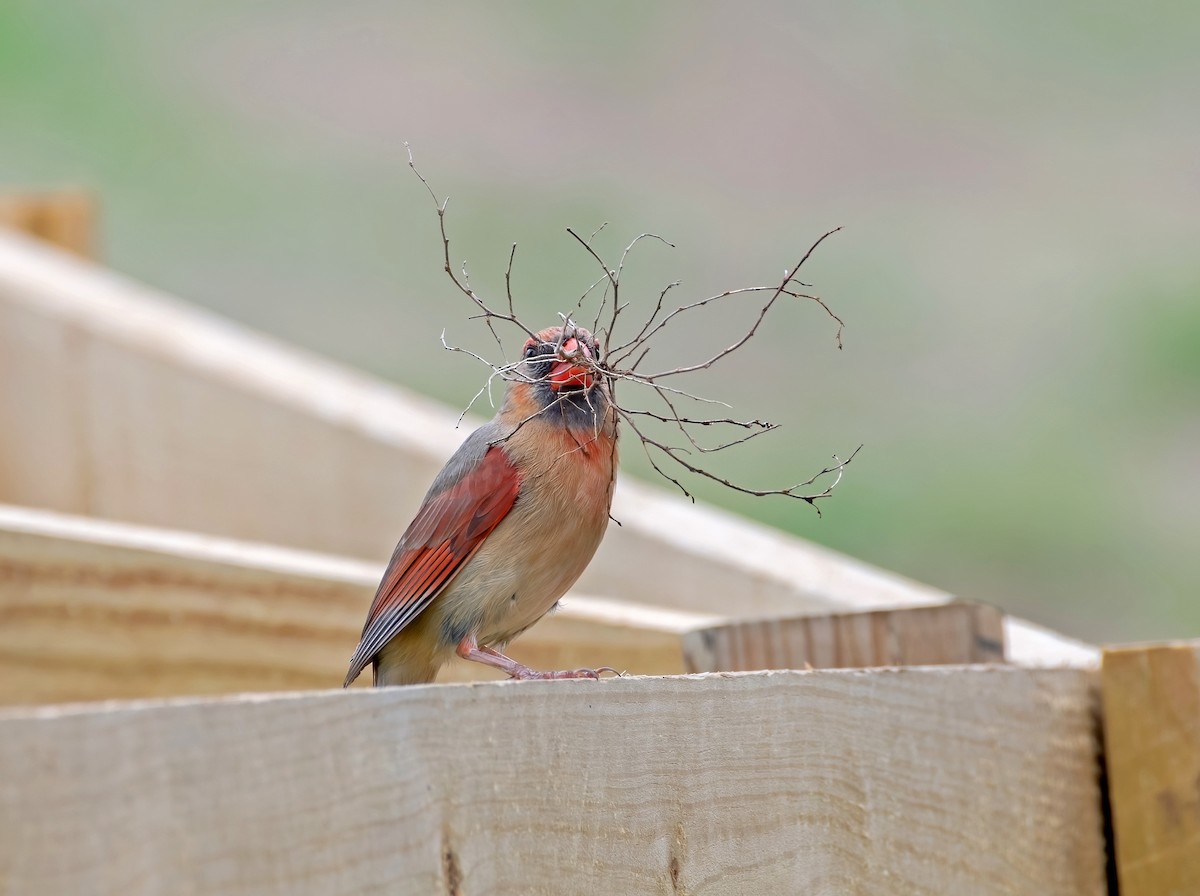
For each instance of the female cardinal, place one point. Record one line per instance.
(507, 526)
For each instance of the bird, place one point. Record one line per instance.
(508, 525)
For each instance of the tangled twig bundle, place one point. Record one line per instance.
(621, 360)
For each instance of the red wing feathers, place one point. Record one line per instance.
(447, 531)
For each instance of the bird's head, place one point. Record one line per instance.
(564, 359)
(560, 371)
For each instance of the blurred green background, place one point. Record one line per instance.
(1019, 272)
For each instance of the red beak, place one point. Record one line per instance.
(568, 374)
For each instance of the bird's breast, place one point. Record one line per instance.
(542, 547)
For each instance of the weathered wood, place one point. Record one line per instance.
(928, 781)
(66, 218)
(93, 610)
(1152, 746)
(120, 402)
(943, 634)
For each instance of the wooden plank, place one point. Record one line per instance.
(1035, 646)
(120, 402)
(1152, 746)
(943, 634)
(91, 610)
(928, 781)
(66, 218)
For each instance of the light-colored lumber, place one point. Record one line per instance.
(1152, 746)
(943, 634)
(1029, 644)
(93, 610)
(66, 218)
(90, 610)
(929, 781)
(117, 401)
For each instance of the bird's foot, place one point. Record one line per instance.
(469, 649)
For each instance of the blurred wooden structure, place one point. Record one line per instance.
(65, 218)
(942, 634)
(96, 610)
(192, 510)
(124, 404)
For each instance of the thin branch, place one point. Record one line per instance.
(465, 289)
(781, 289)
(610, 274)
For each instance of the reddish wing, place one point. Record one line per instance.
(446, 533)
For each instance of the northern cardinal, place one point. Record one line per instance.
(507, 526)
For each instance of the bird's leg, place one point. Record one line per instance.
(469, 649)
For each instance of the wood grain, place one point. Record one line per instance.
(93, 610)
(926, 781)
(944, 634)
(65, 218)
(1152, 745)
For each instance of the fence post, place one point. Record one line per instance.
(1152, 734)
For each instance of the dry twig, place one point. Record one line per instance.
(619, 361)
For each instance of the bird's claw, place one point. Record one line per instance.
(525, 674)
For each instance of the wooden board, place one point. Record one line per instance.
(119, 402)
(1152, 738)
(1029, 644)
(943, 634)
(929, 781)
(66, 218)
(93, 610)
